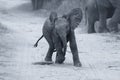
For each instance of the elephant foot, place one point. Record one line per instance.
(60, 60)
(103, 30)
(48, 59)
(77, 64)
(91, 31)
(114, 31)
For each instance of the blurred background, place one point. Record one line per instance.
(21, 23)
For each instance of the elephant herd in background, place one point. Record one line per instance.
(60, 30)
(101, 10)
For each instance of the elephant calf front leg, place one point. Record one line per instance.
(73, 47)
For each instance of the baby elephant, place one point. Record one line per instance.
(60, 30)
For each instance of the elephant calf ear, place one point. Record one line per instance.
(75, 17)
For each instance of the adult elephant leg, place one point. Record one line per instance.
(40, 4)
(35, 4)
(91, 28)
(36, 7)
(73, 47)
(113, 24)
(102, 19)
(51, 47)
(92, 15)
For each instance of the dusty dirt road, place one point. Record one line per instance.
(99, 53)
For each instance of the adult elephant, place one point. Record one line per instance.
(93, 12)
(103, 6)
(61, 31)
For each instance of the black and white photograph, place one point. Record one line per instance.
(59, 39)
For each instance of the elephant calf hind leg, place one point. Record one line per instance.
(49, 54)
(51, 48)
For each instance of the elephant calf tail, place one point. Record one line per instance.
(36, 44)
